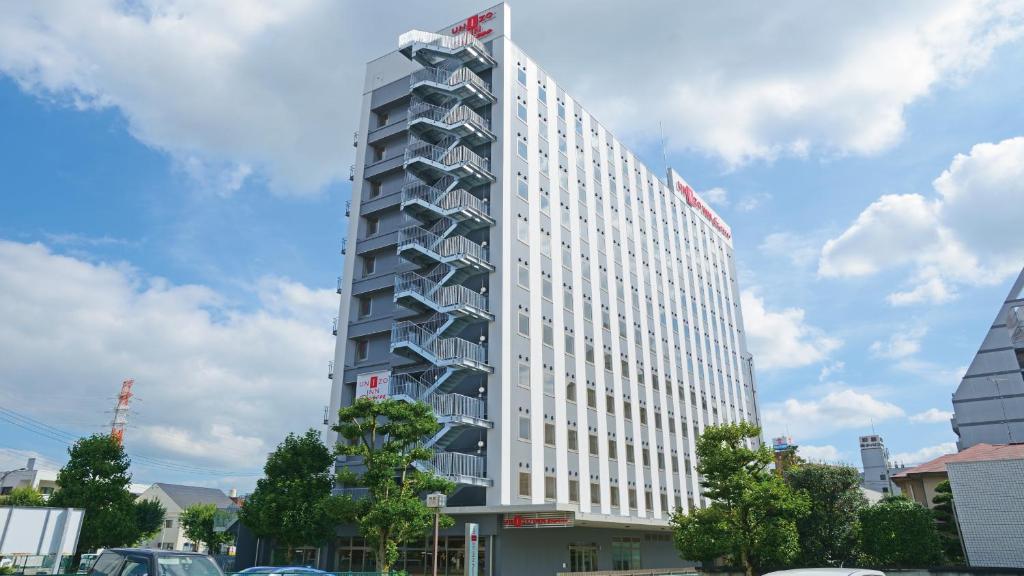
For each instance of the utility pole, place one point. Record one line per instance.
(436, 501)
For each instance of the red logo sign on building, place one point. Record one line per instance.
(474, 25)
(538, 520)
(693, 200)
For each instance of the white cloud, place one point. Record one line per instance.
(717, 196)
(955, 237)
(837, 410)
(216, 386)
(829, 369)
(12, 459)
(782, 339)
(826, 453)
(241, 89)
(752, 202)
(924, 454)
(932, 416)
(900, 345)
(798, 249)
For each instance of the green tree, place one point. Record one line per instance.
(752, 517)
(898, 533)
(96, 479)
(197, 521)
(828, 532)
(292, 503)
(23, 496)
(387, 436)
(945, 523)
(149, 517)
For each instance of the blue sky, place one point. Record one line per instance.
(171, 209)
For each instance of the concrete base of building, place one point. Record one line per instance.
(531, 543)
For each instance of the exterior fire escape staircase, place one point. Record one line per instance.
(443, 169)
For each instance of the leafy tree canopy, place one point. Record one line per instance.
(828, 535)
(387, 437)
(96, 479)
(752, 517)
(945, 523)
(292, 503)
(197, 521)
(898, 533)
(149, 517)
(23, 496)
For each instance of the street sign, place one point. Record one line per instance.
(472, 549)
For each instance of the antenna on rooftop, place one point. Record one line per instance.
(664, 152)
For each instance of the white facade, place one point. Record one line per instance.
(989, 501)
(30, 476)
(611, 332)
(175, 499)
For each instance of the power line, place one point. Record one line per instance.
(45, 430)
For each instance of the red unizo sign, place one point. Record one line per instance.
(473, 25)
(693, 200)
(538, 520)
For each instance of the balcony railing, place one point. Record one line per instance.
(440, 40)
(446, 200)
(458, 405)
(341, 286)
(451, 78)
(444, 296)
(334, 326)
(446, 155)
(330, 369)
(443, 349)
(452, 246)
(454, 465)
(1015, 324)
(447, 116)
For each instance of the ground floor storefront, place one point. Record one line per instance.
(517, 544)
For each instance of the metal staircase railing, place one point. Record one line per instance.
(445, 128)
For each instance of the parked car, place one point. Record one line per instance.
(147, 562)
(827, 572)
(87, 561)
(281, 570)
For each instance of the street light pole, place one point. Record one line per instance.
(436, 500)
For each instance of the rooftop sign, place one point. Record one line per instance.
(476, 25)
(695, 201)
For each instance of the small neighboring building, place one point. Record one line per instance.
(918, 483)
(31, 476)
(176, 498)
(35, 540)
(988, 495)
(988, 406)
(878, 471)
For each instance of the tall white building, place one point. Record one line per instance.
(573, 318)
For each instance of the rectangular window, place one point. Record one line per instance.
(570, 391)
(521, 149)
(524, 375)
(524, 323)
(549, 434)
(614, 496)
(372, 226)
(542, 93)
(627, 410)
(382, 119)
(523, 188)
(524, 276)
(648, 500)
(609, 404)
(549, 335)
(365, 306)
(630, 457)
(570, 344)
(521, 76)
(571, 439)
(378, 152)
(632, 498)
(549, 487)
(574, 490)
(524, 484)
(521, 110)
(592, 399)
(523, 230)
(646, 455)
(593, 445)
(549, 383)
(613, 449)
(595, 493)
(375, 189)
(524, 428)
(362, 349)
(546, 288)
(369, 265)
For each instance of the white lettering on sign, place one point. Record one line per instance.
(373, 385)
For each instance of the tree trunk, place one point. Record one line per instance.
(748, 568)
